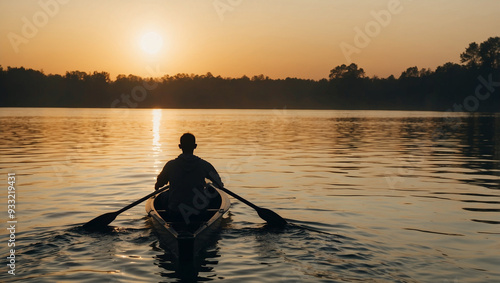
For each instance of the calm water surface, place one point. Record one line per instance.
(394, 196)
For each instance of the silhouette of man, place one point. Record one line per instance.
(186, 174)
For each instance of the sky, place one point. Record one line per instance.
(232, 38)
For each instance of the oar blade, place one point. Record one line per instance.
(271, 217)
(100, 222)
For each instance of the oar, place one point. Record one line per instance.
(268, 215)
(102, 221)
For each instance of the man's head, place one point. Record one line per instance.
(188, 143)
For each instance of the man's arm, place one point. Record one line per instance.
(162, 178)
(214, 176)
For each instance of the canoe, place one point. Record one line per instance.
(186, 240)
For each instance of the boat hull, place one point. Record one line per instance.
(186, 240)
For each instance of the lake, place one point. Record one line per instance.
(374, 196)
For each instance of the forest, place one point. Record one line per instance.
(473, 85)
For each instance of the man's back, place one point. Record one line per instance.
(186, 174)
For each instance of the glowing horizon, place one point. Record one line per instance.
(234, 38)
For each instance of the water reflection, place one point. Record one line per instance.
(157, 116)
(198, 270)
(398, 187)
(201, 268)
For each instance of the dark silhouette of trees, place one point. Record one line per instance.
(411, 72)
(451, 87)
(471, 56)
(347, 72)
(414, 72)
(489, 51)
(485, 56)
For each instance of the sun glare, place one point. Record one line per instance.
(151, 42)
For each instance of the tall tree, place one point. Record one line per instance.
(490, 53)
(485, 56)
(347, 72)
(411, 72)
(471, 56)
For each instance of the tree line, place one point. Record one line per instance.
(473, 85)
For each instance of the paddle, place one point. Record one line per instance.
(268, 215)
(102, 221)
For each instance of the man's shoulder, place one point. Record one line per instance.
(171, 162)
(199, 159)
(206, 163)
(192, 159)
(183, 159)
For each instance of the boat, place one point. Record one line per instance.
(186, 240)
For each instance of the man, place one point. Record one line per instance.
(186, 175)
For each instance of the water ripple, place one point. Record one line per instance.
(373, 196)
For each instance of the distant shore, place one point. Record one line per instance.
(450, 88)
(473, 86)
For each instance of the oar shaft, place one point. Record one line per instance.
(142, 199)
(239, 198)
(266, 214)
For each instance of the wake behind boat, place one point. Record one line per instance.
(186, 240)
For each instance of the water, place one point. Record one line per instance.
(385, 196)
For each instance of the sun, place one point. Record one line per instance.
(151, 42)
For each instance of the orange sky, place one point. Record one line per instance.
(231, 38)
